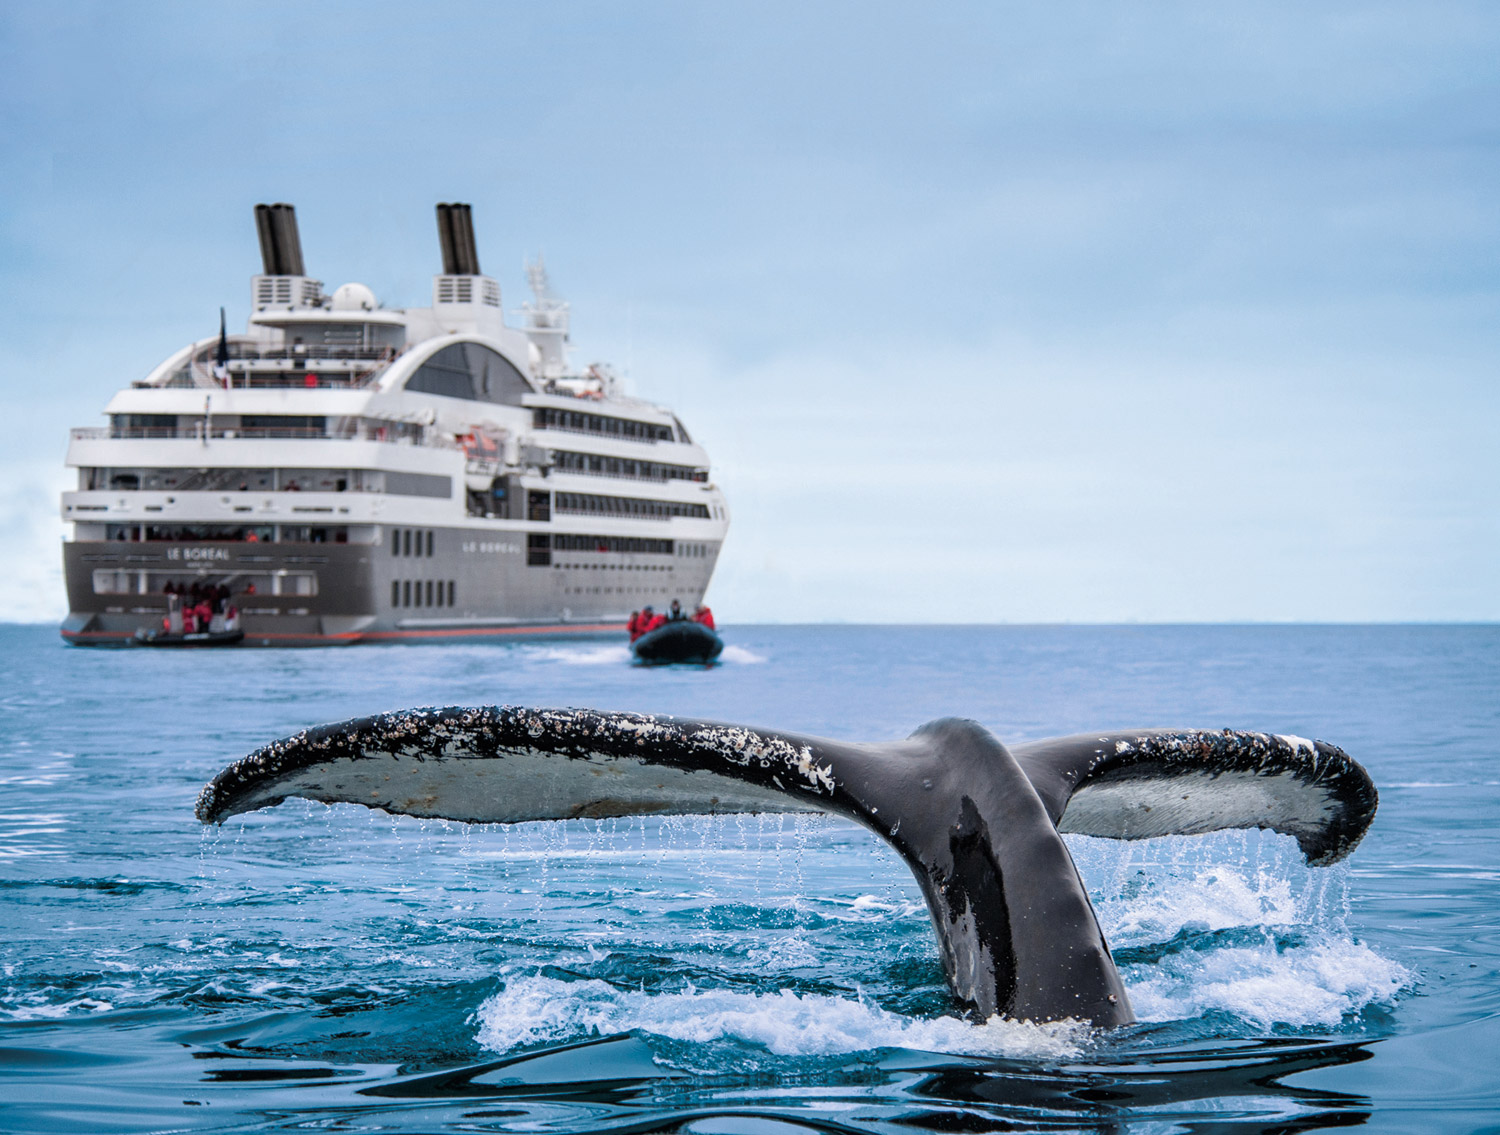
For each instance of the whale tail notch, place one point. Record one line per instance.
(979, 825)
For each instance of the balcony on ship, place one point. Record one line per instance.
(252, 365)
(230, 427)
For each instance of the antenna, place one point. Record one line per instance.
(546, 321)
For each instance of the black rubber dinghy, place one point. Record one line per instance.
(678, 641)
(197, 638)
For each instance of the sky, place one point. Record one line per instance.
(992, 312)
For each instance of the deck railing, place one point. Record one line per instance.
(234, 433)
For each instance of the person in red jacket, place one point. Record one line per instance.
(650, 621)
(634, 625)
(701, 614)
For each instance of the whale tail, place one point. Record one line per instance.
(978, 824)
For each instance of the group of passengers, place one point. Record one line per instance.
(201, 607)
(647, 620)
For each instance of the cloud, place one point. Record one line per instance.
(31, 582)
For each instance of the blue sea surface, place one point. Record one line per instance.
(316, 968)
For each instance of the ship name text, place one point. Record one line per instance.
(197, 553)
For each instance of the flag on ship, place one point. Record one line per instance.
(221, 360)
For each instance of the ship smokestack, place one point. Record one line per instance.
(456, 235)
(280, 245)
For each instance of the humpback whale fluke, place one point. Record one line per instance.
(978, 824)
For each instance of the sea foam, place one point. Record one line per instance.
(539, 1010)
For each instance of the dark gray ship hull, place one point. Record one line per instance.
(460, 584)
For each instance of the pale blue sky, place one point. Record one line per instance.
(1062, 312)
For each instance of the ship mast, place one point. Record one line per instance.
(546, 322)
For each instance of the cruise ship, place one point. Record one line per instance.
(347, 472)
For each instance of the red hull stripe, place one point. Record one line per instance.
(377, 636)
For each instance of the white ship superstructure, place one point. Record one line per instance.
(349, 472)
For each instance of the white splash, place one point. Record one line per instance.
(610, 654)
(1292, 960)
(1303, 986)
(35, 1008)
(1209, 899)
(543, 1010)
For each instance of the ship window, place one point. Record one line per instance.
(406, 593)
(406, 541)
(282, 425)
(395, 546)
(108, 582)
(429, 543)
(429, 593)
(546, 417)
(538, 550)
(565, 461)
(635, 507)
(569, 542)
(181, 533)
(293, 583)
(470, 371)
(395, 593)
(450, 592)
(142, 425)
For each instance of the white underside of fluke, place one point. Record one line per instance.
(520, 786)
(1192, 803)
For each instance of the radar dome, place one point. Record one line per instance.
(354, 297)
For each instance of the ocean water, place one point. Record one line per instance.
(313, 968)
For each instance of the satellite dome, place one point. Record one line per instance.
(354, 297)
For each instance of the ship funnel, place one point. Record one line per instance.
(456, 235)
(280, 246)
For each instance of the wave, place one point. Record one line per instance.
(596, 654)
(545, 1010)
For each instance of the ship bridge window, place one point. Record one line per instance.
(473, 372)
(551, 418)
(363, 336)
